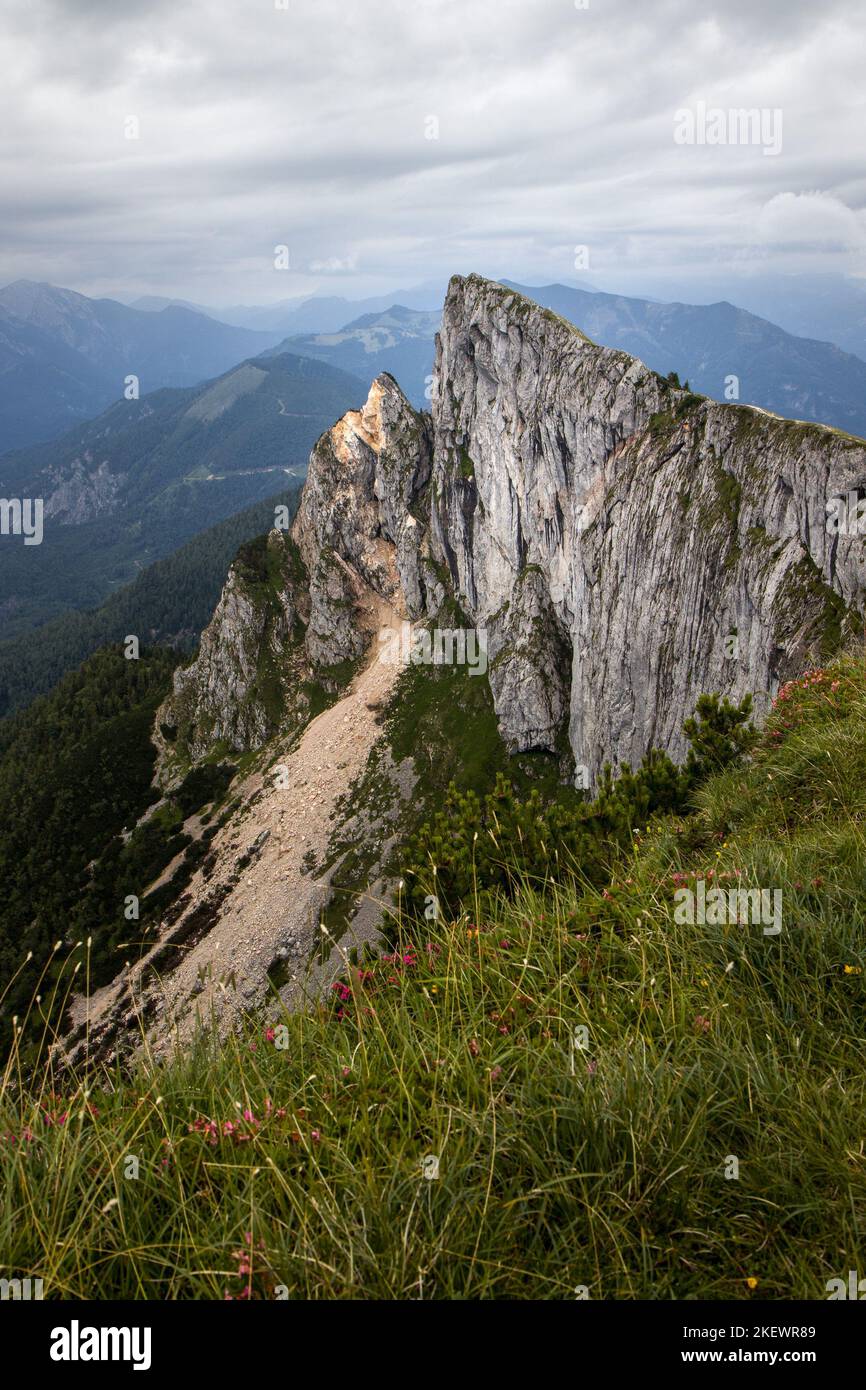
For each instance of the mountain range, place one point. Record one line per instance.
(130, 486)
(306, 314)
(722, 351)
(64, 357)
(398, 340)
(124, 489)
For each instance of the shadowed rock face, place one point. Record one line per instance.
(625, 544)
(222, 696)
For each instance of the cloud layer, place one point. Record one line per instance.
(400, 141)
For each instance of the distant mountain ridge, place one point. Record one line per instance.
(307, 313)
(127, 488)
(398, 340)
(724, 352)
(65, 357)
(800, 378)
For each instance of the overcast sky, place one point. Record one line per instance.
(309, 126)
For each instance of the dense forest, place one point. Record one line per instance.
(75, 770)
(169, 603)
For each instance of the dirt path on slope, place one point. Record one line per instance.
(260, 899)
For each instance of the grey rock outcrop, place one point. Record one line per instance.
(625, 544)
(302, 610)
(235, 691)
(675, 545)
(357, 526)
(529, 656)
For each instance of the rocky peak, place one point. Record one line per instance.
(675, 545)
(299, 612)
(625, 544)
(357, 526)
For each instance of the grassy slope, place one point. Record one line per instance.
(443, 720)
(602, 1168)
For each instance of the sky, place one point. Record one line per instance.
(169, 148)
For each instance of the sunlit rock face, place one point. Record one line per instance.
(629, 544)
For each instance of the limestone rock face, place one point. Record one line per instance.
(625, 544)
(304, 611)
(89, 490)
(356, 529)
(231, 692)
(675, 545)
(529, 654)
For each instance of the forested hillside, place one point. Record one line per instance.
(169, 603)
(75, 771)
(133, 485)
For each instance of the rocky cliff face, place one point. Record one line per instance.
(299, 612)
(249, 671)
(629, 545)
(625, 544)
(357, 528)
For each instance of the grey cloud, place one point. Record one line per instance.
(308, 127)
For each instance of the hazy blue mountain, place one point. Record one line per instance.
(829, 307)
(801, 378)
(825, 305)
(131, 486)
(398, 340)
(155, 303)
(315, 313)
(44, 384)
(64, 357)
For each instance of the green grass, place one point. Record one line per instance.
(558, 1167)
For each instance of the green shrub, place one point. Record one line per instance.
(474, 848)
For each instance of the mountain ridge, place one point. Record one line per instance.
(65, 357)
(145, 476)
(575, 505)
(720, 348)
